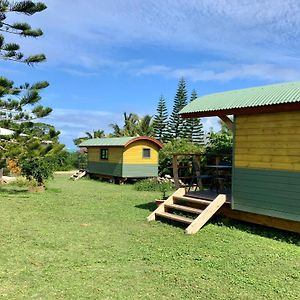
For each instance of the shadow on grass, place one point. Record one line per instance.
(151, 206)
(264, 231)
(13, 190)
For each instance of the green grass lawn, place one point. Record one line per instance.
(90, 240)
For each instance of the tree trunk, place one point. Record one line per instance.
(1, 175)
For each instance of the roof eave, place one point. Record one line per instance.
(147, 138)
(283, 107)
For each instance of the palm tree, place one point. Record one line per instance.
(133, 126)
(131, 122)
(95, 134)
(145, 126)
(117, 130)
(130, 126)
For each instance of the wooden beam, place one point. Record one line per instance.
(268, 221)
(207, 213)
(228, 122)
(175, 171)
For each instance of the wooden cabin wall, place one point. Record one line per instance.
(134, 165)
(112, 166)
(266, 174)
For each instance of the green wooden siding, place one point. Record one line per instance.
(267, 192)
(125, 170)
(105, 168)
(140, 170)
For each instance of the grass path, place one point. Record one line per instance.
(90, 240)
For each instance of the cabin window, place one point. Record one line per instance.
(146, 153)
(103, 153)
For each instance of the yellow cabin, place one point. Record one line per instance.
(124, 157)
(264, 186)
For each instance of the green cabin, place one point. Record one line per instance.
(266, 156)
(123, 157)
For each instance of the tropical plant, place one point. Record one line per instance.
(89, 135)
(133, 126)
(145, 126)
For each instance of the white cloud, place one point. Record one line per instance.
(84, 33)
(74, 123)
(257, 39)
(266, 72)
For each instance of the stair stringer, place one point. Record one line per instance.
(207, 213)
(179, 193)
(78, 174)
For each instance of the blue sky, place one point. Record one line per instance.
(113, 56)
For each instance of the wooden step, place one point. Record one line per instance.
(184, 208)
(174, 217)
(192, 200)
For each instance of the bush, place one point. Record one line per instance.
(38, 169)
(220, 144)
(153, 185)
(178, 146)
(22, 182)
(66, 161)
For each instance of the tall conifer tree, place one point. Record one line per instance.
(177, 125)
(195, 131)
(19, 105)
(160, 122)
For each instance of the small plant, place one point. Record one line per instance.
(37, 169)
(164, 188)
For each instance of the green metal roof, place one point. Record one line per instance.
(118, 141)
(246, 98)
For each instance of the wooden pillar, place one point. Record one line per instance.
(196, 161)
(175, 171)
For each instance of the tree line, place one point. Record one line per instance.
(161, 126)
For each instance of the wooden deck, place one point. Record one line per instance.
(207, 195)
(226, 211)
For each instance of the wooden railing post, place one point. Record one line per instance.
(175, 171)
(196, 161)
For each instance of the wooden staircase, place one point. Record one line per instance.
(78, 174)
(193, 212)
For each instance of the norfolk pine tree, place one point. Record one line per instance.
(194, 126)
(19, 104)
(177, 125)
(160, 122)
(15, 101)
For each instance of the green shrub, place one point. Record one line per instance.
(152, 185)
(20, 182)
(220, 144)
(177, 146)
(66, 161)
(38, 169)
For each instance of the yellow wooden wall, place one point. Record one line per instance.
(115, 154)
(268, 141)
(133, 153)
